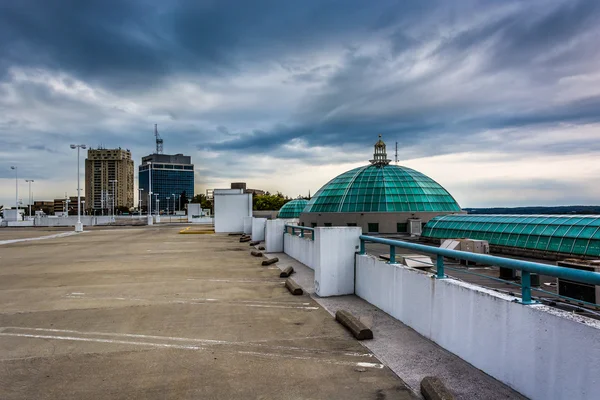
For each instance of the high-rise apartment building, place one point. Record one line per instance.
(170, 175)
(102, 167)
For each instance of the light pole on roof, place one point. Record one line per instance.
(30, 199)
(79, 225)
(16, 186)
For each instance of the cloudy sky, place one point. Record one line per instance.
(499, 101)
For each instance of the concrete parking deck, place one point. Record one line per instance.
(149, 313)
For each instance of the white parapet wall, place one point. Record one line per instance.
(330, 255)
(17, 224)
(13, 215)
(300, 248)
(86, 220)
(258, 228)
(274, 230)
(541, 352)
(201, 220)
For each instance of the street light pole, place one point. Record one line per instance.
(173, 194)
(16, 187)
(140, 200)
(157, 210)
(30, 199)
(150, 219)
(79, 225)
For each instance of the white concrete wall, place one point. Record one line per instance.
(258, 228)
(230, 209)
(19, 223)
(274, 229)
(67, 221)
(541, 352)
(334, 260)
(247, 225)
(194, 209)
(331, 255)
(302, 249)
(13, 215)
(105, 219)
(201, 220)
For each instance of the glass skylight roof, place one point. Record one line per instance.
(577, 234)
(292, 209)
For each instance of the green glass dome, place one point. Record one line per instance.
(381, 187)
(292, 209)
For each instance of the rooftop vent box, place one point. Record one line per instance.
(415, 226)
(577, 290)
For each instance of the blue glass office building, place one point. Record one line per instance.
(171, 174)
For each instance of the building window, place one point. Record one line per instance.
(401, 227)
(351, 224)
(313, 224)
(373, 228)
(327, 224)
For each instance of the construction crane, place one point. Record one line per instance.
(159, 141)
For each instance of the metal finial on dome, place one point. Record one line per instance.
(380, 154)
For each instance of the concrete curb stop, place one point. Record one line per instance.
(357, 328)
(256, 253)
(254, 243)
(270, 261)
(286, 272)
(293, 287)
(244, 239)
(432, 388)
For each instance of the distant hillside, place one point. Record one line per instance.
(536, 210)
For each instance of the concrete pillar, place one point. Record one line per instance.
(274, 235)
(334, 259)
(247, 225)
(258, 228)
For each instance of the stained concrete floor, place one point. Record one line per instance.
(149, 313)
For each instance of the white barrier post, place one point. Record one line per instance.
(334, 259)
(258, 228)
(274, 235)
(247, 225)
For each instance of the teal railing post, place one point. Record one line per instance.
(362, 246)
(301, 232)
(526, 287)
(439, 263)
(392, 254)
(293, 231)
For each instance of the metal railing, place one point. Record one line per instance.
(302, 230)
(526, 267)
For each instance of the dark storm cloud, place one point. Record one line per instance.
(136, 43)
(539, 45)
